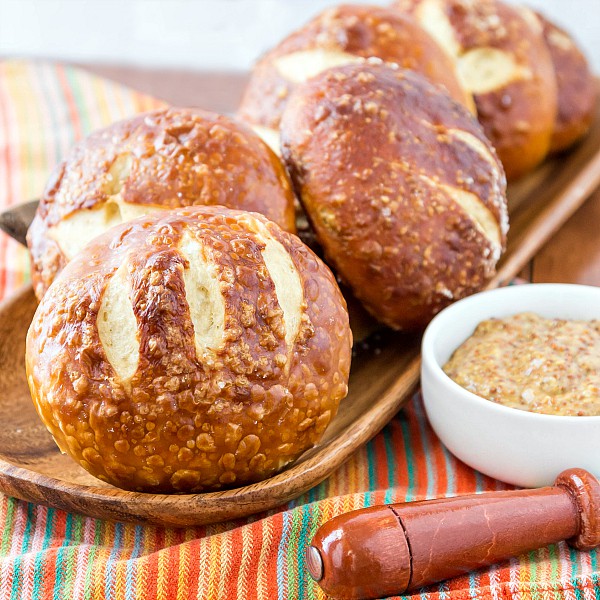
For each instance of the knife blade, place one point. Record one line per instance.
(15, 221)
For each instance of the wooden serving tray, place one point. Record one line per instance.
(384, 372)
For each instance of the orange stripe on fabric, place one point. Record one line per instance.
(205, 553)
(64, 135)
(362, 470)
(162, 579)
(39, 525)
(33, 177)
(71, 104)
(48, 125)
(379, 460)
(83, 559)
(16, 90)
(121, 566)
(170, 564)
(152, 579)
(271, 577)
(31, 165)
(265, 528)
(230, 565)
(253, 536)
(116, 95)
(225, 567)
(102, 556)
(402, 482)
(57, 526)
(419, 468)
(10, 165)
(147, 103)
(438, 460)
(401, 465)
(142, 568)
(194, 552)
(185, 580)
(108, 112)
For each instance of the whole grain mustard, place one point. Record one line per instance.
(528, 362)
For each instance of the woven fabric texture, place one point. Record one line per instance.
(49, 554)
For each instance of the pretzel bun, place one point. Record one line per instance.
(577, 90)
(341, 35)
(405, 193)
(164, 159)
(191, 350)
(503, 61)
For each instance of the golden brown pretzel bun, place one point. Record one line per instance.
(341, 35)
(404, 191)
(190, 350)
(164, 159)
(503, 60)
(577, 90)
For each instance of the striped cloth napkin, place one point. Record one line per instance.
(49, 554)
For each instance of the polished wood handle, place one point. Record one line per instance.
(388, 550)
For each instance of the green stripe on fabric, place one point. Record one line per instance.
(43, 73)
(430, 469)
(71, 555)
(371, 466)
(60, 108)
(91, 558)
(390, 457)
(8, 526)
(410, 467)
(282, 557)
(15, 588)
(315, 523)
(533, 568)
(38, 567)
(60, 565)
(110, 576)
(17, 580)
(554, 562)
(302, 539)
(130, 570)
(73, 79)
(595, 578)
(573, 563)
(37, 129)
(292, 552)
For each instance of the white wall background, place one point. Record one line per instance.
(198, 34)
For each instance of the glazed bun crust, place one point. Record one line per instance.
(341, 35)
(189, 351)
(503, 61)
(404, 191)
(577, 89)
(164, 159)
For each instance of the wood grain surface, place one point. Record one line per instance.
(384, 372)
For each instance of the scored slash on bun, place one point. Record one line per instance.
(405, 193)
(503, 60)
(190, 350)
(164, 159)
(341, 35)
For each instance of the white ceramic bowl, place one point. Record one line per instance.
(523, 448)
